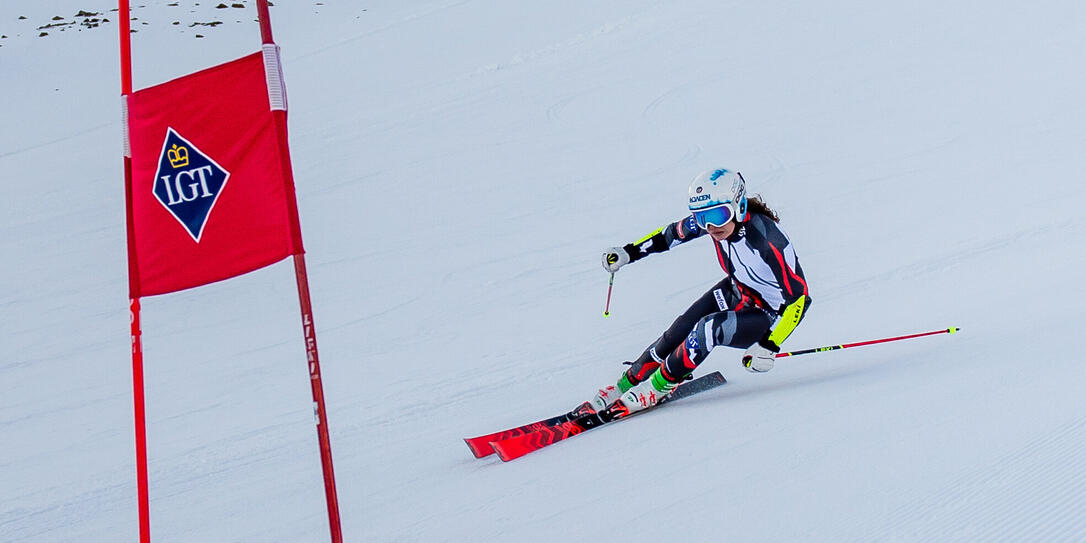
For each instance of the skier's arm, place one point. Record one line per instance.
(759, 357)
(788, 320)
(779, 255)
(789, 275)
(665, 238)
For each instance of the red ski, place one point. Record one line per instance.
(480, 446)
(520, 445)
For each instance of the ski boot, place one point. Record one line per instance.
(611, 393)
(647, 393)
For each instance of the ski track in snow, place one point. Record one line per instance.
(957, 256)
(1034, 494)
(537, 55)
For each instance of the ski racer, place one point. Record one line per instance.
(757, 305)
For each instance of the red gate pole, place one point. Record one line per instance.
(141, 426)
(140, 418)
(318, 399)
(279, 115)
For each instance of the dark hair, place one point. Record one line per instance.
(756, 205)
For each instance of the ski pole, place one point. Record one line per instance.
(610, 285)
(951, 330)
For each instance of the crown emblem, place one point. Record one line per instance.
(187, 183)
(178, 156)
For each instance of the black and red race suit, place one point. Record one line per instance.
(763, 296)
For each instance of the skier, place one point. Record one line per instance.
(755, 307)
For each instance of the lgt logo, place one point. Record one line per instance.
(188, 183)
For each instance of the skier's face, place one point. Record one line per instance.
(720, 233)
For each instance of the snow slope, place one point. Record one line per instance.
(460, 166)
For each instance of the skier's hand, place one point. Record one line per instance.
(760, 356)
(615, 258)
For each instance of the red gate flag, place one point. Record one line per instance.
(210, 199)
(210, 195)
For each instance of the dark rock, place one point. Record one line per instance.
(55, 25)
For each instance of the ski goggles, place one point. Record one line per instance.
(718, 215)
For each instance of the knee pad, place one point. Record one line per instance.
(691, 352)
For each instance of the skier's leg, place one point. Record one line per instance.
(713, 301)
(732, 328)
(739, 329)
(716, 299)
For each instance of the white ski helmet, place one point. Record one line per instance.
(718, 196)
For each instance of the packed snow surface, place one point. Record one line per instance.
(460, 167)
